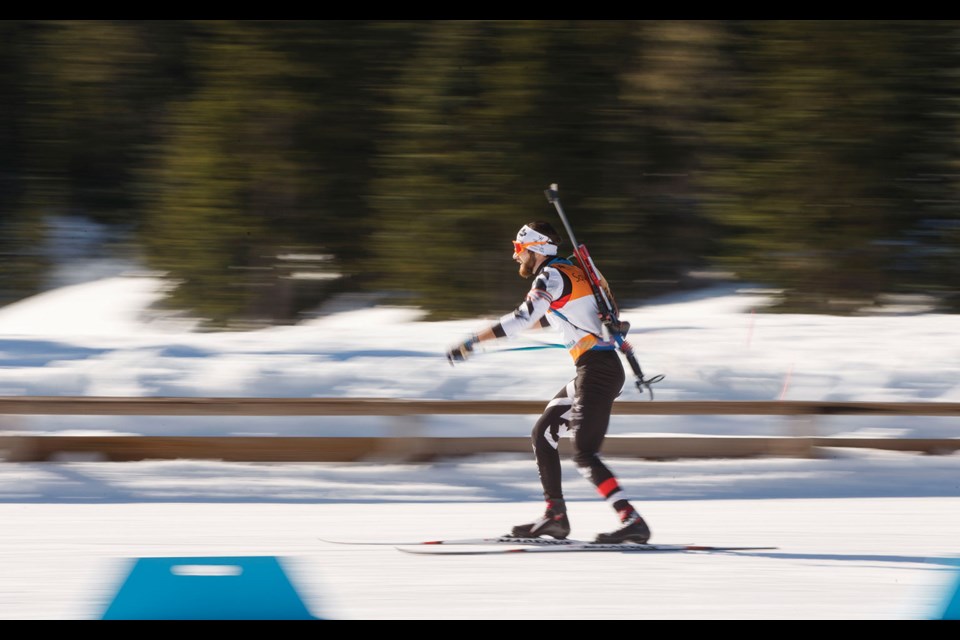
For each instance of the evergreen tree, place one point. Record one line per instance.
(811, 163)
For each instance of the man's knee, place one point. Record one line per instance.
(551, 424)
(585, 459)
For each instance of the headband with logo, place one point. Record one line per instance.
(534, 241)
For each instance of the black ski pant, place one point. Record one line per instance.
(583, 406)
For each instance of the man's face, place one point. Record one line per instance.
(528, 262)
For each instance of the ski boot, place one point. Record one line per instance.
(554, 523)
(634, 529)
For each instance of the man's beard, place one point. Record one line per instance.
(526, 266)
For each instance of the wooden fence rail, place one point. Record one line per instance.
(23, 448)
(113, 406)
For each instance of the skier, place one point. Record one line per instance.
(561, 296)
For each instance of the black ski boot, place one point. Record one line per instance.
(634, 529)
(554, 523)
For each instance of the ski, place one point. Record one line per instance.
(534, 544)
(502, 540)
(584, 546)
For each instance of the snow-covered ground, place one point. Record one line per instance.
(860, 534)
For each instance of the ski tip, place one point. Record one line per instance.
(356, 543)
(422, 552)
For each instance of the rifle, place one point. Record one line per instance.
(605, 303)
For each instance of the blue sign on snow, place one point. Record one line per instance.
(211, 588)
(952, 610)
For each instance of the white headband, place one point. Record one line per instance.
(526, 234)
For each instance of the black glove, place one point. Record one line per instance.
(462, 351)
(622, 328)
